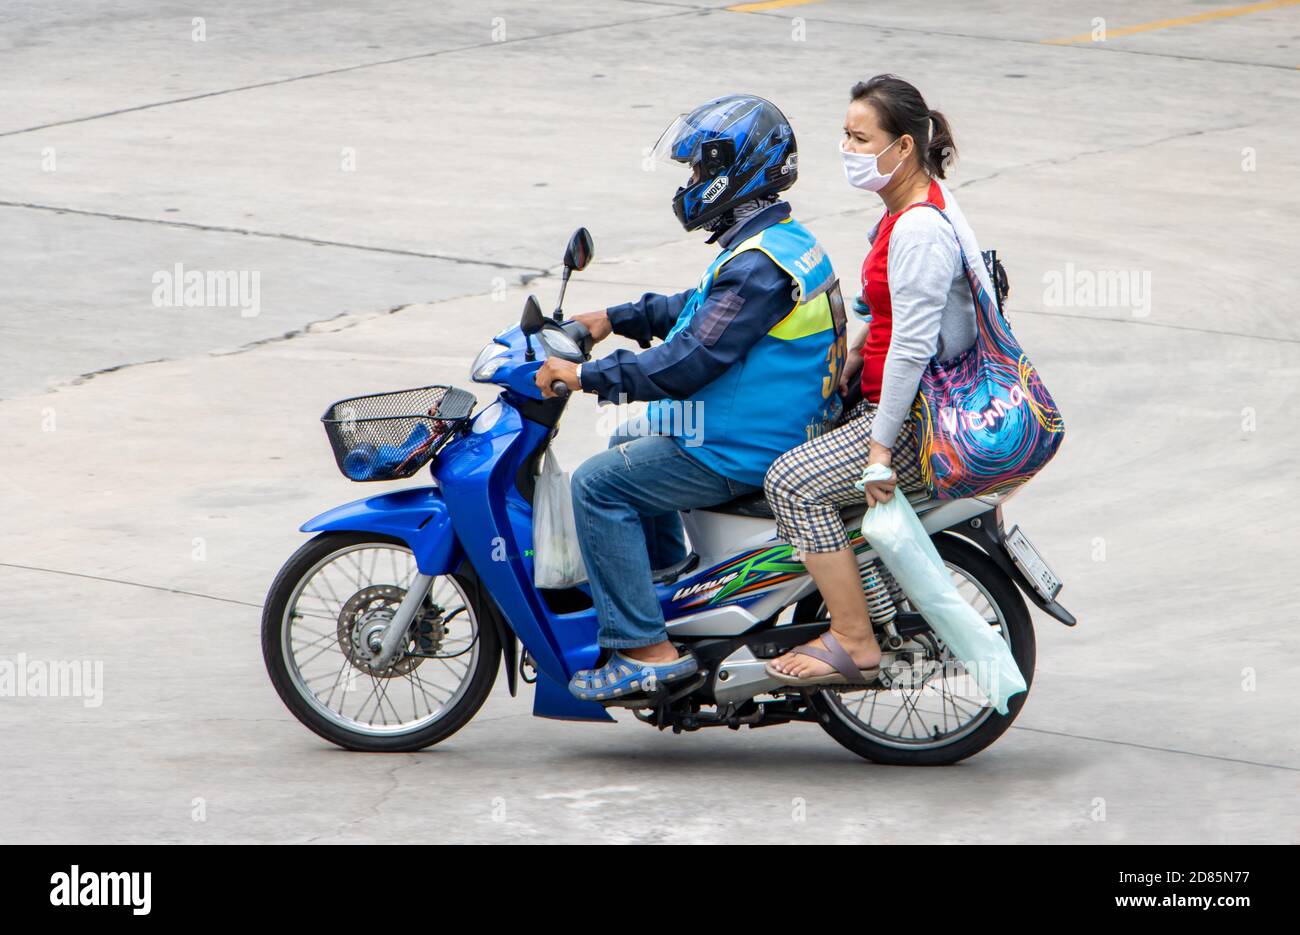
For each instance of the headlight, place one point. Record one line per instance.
(560, 344)
(488, 360)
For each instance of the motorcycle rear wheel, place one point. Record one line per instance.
(977, 577)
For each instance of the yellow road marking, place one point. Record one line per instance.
(1178, 21)
(774, 4)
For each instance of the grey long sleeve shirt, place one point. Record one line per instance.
(933, 312)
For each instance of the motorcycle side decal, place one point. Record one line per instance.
(742, 576)
(748, 574)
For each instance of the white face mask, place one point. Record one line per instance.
(861, 169)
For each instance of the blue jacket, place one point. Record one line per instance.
(753, 352)
(747, 299)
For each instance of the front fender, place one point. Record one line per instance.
(418, 516)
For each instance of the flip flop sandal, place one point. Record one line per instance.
(623, 676)
(846, 670)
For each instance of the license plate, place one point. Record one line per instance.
(1028, 560)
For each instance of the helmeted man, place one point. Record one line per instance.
(748, 368)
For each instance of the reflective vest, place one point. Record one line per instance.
(785, 390)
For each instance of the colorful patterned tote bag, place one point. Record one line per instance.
(985, 421)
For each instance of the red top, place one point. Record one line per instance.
(875, 293)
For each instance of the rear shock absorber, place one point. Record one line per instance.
(895, 589)
(876, 581)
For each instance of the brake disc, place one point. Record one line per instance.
(361, 628)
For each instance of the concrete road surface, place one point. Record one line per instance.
(392, 178)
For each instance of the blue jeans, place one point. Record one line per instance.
(625, 503)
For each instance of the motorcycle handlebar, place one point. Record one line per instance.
(560, 388)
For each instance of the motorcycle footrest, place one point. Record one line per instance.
(661, 695)
(638, 699)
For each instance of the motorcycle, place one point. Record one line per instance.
(387, 630)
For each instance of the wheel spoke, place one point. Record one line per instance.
(335, 685)
(333, 644)
(434, 686)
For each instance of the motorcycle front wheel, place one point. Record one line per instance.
(326, 606)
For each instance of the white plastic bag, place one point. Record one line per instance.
(557, 560)
(902, 543)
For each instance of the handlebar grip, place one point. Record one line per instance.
(560, 388)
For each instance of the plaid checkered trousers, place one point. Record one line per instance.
(807, 486)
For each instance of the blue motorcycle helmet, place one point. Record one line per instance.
(739, 147)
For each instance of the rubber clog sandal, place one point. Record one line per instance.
(623, 676)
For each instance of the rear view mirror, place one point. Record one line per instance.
(532, 320)
(578, 254)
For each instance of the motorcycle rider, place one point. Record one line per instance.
(748, 368)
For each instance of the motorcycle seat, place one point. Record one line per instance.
(756, 505)
(748, 504)
(670, 574)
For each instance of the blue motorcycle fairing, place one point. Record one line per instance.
(417, 516)
(493, 522)
(516, 372)
(552, 699)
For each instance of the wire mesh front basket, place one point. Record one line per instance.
(388, 436)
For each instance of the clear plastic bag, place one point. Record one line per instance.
(902, 543)
(557, 559)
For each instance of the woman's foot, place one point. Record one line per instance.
(816, 658)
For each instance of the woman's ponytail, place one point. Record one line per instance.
(901, 109)
(941, 150)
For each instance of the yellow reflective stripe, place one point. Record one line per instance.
(804, 319)
(747, 244)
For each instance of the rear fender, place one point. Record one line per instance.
(985, 531)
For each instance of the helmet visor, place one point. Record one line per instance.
(679, 144)
(726, 118)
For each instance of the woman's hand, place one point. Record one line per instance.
(853, 362)
(879, 491)
(852, 367)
